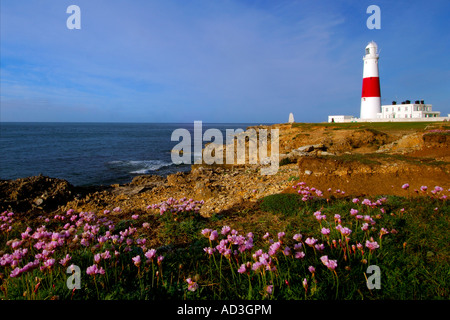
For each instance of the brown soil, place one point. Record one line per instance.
(382, 177)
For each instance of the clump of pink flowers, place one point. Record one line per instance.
(177, 205)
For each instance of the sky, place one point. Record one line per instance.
(238, 61)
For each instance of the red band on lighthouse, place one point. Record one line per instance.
(371, 87)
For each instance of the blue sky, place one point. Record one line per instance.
(215, 60)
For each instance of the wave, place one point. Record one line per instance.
(140, 166)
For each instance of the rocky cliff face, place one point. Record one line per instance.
(361, 161)
(35, 193)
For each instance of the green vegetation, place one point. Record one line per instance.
(287, 246)
(286, 161)
(379, 126)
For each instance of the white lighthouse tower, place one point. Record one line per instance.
(370, 97)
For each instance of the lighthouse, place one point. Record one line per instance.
(371, 97)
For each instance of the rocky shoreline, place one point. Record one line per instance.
(361, 161)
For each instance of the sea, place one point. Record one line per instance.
(87, 154)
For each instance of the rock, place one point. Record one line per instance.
(291, 117)
(25, 194)
(319, 146)
(176, 179)
(307, 148)
(148, 180)
(325, 153)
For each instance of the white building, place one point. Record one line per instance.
(340, 118)
(407, 110)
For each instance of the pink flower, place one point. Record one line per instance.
(209, 250)
(310, 241)
(299, 255)
(353, 212)
(383, 231)
(49, 263)
(305, 284)
(269, 289)
(92, 270)
(135, 216)
(405, 186)
(150, 254)
(65, 260)
(297, 237)
(225, 230)
(345, 231)
(214, 235)
(206, 232)
(330, 264)
(16, 244)
(106, 255)
(320, 247)
(312, 269)
(245, 267)
(355, 200)
(137, 260)
(192, 285)
(372, 245)
(423, 188)
(16, 272)
(325, 231)
(256, 265)
(319, 216)
(273, 248)
(97, 258)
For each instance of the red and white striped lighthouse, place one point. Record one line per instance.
(371, 96)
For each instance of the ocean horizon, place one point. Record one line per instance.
(93, 153)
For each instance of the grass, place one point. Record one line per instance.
(247, 256)
(379, 126)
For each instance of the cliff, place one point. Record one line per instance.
(362, 159)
